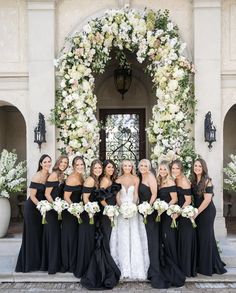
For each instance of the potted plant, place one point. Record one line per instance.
(11, 180)
(230, 172)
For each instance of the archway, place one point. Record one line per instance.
(230, 148)
(13, 137)
(156, 42)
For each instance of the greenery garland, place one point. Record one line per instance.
(153, 38)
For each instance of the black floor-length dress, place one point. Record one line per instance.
(30, 255)
(160, 275)
(187, 240)
(51, 246)
(168, 235)
(86, 234)
(102, 272)
(209, 261)
(69, 232)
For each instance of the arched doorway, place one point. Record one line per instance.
(230, 148)
(128, 118)
(13, 137)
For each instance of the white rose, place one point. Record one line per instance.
(172, 85)
(173, 108)
(179, 116)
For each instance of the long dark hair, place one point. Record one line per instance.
(41, 160)
(114, 175)
(204, 177)
(79, 158)
(97, 180)
(57, 164)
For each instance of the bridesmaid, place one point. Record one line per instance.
(147, 191)
(69, 227)
(108, 191)
(30, 254)
(187, 242)
(168, 193)
(102, 272)
(51, 247)
(209, 261)
(86, 234)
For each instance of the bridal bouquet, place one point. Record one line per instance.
(76, 209)
(128, 210)
(189, 212)
(59, 205)
(44, 206)
(173, 209)
(91, 208)
(111, 212)
(145, 209)
(160, 206)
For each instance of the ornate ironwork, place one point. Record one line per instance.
(122, 137)
(210, 130)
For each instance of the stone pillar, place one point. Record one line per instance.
(207, 59)
(41, 46)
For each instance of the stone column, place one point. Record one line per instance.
(207, 59)
(41, 46)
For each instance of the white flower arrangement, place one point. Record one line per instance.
(59, 205)
(160, 206)
(189, 212)
(76, 209)
(91, 208)
(173, 209)
(128, 210)
(112, 212)
(230, 172)
(44, 206)
(145, 209)
(152, 37)
(11, 175)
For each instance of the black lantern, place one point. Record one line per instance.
(210, 130)
(40, 131)
(122, 78)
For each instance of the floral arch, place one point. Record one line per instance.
(152, 37)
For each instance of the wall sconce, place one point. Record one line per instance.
(40, 131)
(122, 79)
(210, 130)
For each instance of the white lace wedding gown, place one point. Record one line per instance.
(128, 243)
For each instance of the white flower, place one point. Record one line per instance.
(172, 85)
(170, 26)
(128, 210)
(180, 116)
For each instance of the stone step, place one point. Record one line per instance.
(36, 277)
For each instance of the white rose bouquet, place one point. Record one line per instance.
(44, 206)
(173, 209)
(145, 209)
(189, 212)
(76, 209)
(160, 206)
(128, 210)
(59, 205)
(111, 211)
(91, 208)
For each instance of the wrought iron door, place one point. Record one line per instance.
(122, 135)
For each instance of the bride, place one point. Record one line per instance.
(128, 242)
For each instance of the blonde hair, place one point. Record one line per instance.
(161, 180)
(147, 162)
(122, 165)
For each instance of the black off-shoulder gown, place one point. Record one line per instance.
(187, 240)
(86, 237)
(30, 255)
(209, 261)
(51, 247)
(160, 274)
(168, 234)
(102, 272)
(69, 232)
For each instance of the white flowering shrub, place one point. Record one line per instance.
(154, 39)
(230, 172)
(11, 174)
